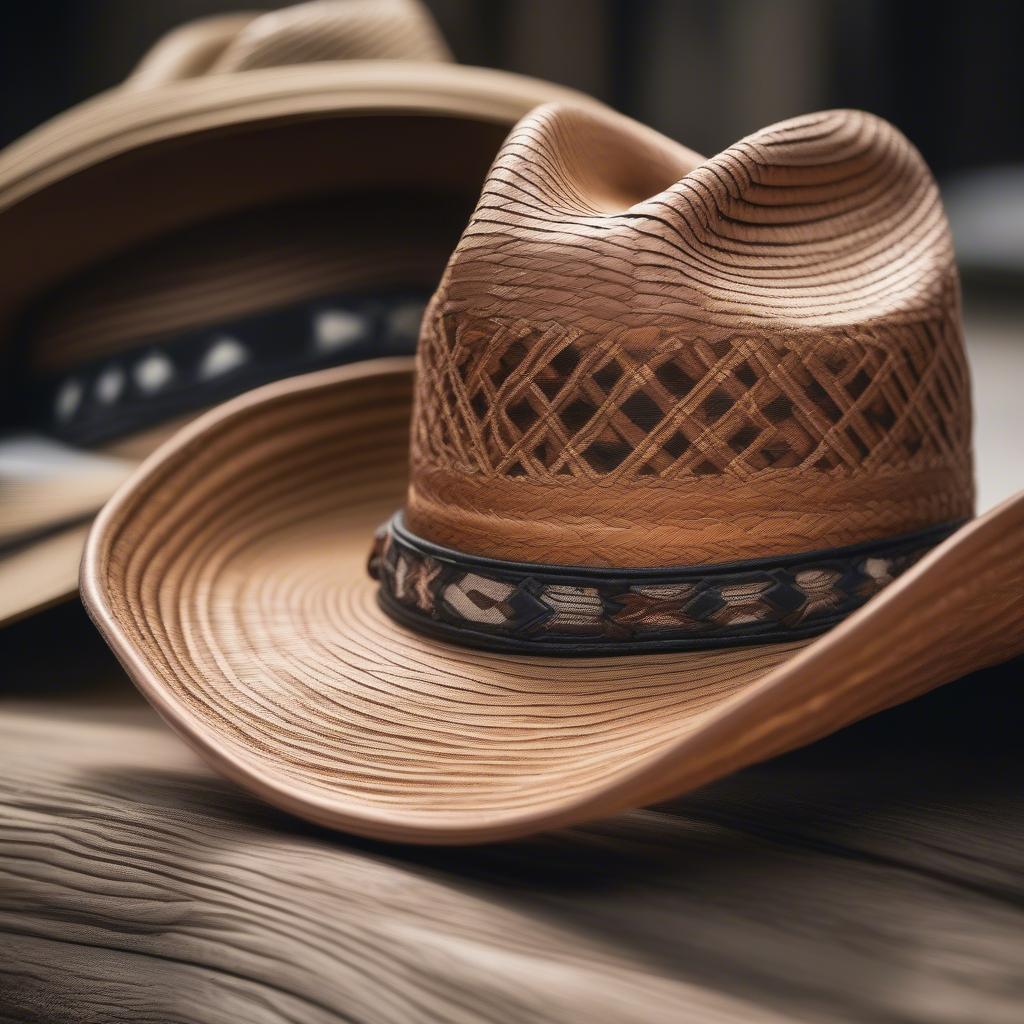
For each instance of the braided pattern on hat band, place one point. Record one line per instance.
(522, 400)
(483, 602)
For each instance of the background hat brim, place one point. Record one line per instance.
(50, 491)
(41, 571)
(134, 163)
(42, 574)
(229, 577)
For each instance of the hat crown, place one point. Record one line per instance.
(320, 30)
(638, 357)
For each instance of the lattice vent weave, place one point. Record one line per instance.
(517, 399)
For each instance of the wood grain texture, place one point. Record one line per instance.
(873, 877)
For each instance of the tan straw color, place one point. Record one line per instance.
(250, 162)
(637, 360)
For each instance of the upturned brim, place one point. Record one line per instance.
(133, 163)
(229, 577)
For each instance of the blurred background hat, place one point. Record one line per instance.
(265, 194)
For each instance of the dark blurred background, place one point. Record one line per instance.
(704, 71)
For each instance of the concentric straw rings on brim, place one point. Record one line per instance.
(229, 577)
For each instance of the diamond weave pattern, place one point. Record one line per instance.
(525, 399)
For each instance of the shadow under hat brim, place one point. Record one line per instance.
(229, 577)
(132, 163)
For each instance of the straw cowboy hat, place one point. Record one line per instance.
(264, 195)
(691, 485)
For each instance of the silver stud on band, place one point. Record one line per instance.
(223, 356)
(153, 373)
(334, 329)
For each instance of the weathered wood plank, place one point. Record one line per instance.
(878, 876)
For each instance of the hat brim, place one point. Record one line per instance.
(229, 577)
(41, 575)
(132, 163)
(50, 493)
(42, 571)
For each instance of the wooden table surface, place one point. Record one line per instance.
(876, 876)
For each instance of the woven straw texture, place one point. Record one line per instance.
(779, 323)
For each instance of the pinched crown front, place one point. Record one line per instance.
(640, 358)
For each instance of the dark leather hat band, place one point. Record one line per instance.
(158, 379)
(543, 609)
